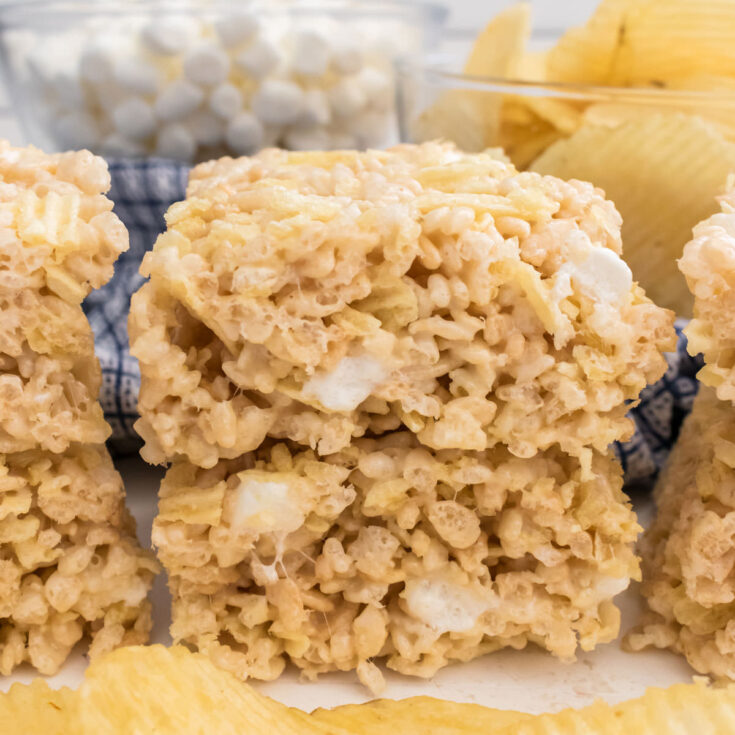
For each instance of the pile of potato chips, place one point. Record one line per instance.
(640, 101)
(147, 690)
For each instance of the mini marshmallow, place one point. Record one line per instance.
(136, 75)
(177, 100)
(226, 101)
(206, 128)
(175, 141)
(96, 64)
(118, 145)
(315, 109)
(307, 139)
(347, 58)
(206, 64)
(77, 130)
(244, 134)
(372, 129)
(170, 36)
(236, 29)
(311, 54)
(259, 59)
(134, 119)
(346, 98)
(278, 102)
(377, 87)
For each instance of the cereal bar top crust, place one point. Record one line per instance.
(708, 263)
(57, 229)
(328, 294)
(688, 552)
(70, 564)
(388, 549)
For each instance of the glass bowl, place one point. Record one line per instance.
(194, 80)
(662, 155)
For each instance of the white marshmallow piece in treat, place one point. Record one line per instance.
(245, 134)
(175, 141)
(169, 36)
(177, 100)
(259, 59)
(603, 276)
(234, 30)
(134, 118)
(136, 75)
(226, 101)
(206, 64)
(278, 102)
(311, 53)
(348, 385)
(263, 506)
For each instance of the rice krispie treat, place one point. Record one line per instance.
(58, 240)
(708, 263)
(389, 549)
(688, 553)
(320, 297)
(70, 564)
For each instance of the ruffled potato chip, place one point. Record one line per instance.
(663, 172)
(37, 709)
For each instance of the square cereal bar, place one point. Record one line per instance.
(70, 565)
(708, 263)
(688, 553)
(321, 297)
(391, 550)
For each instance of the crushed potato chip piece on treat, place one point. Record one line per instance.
(709, 266)
(688, 553)
(319, 297)
(71, 565)
(388, 550)
(679, 163)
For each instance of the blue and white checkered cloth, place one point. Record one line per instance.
(143, 190)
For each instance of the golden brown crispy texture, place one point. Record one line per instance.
(688, 553)
(70, 564)
(390, 550)
(36, 709)
(709, 266)
(316, 297)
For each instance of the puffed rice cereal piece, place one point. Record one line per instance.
(688, 553)
(319, 296)
(389, 550)
(708, 263)
(70, 564)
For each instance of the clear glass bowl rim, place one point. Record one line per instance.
(32, 13)
(432, 70)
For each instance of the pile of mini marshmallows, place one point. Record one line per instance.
(191, 89)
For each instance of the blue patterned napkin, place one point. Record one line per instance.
(144, 189)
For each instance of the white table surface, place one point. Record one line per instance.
(530, 680)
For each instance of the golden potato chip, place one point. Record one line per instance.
(468, 117)
(662, 40)
(37, 709)
(169, 691)
(684, 709)
(663, 172)
(588, 54)
(418, 716)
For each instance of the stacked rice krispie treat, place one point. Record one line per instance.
(689, 551)
(386, 383)
(70, 564)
